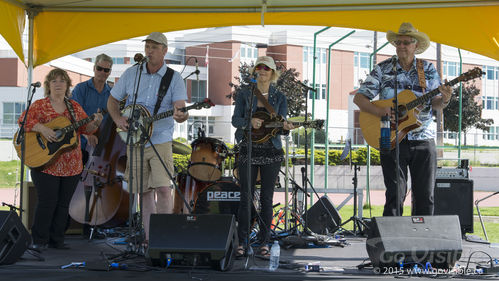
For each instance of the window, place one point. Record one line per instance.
(118, 60)
(197, 124)
(490, 103)
(248, 54)
(12, 111)
(490, 72)
(323, 91)
(198, 90)
(450, 68)
(492, 134)
(361, 59)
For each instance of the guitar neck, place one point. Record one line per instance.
(74, 126)
(428, 96)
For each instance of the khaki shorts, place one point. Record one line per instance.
(154, 173)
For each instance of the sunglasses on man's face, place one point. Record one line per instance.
(262, 66)
(100, 68)
(405, 43)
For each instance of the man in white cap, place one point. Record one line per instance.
(157, 191)
(417, 149)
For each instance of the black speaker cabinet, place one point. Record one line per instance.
(455, 197)
(194, 240)
(396, 241)
(322, 217)
(14, 238)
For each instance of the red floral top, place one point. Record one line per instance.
(68, 163)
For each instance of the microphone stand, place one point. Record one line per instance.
(249, 194)
(22, 141)
(132, 127)
(304, 173)
(397, 146)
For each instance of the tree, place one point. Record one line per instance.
(472, 111)
(286, 84)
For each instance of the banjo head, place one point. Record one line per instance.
(143, 114)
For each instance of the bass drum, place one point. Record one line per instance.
(221, 197)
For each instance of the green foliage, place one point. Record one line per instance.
(358, 155)
(181, 162)
(285, 84)
(471, 111)
(298, 136)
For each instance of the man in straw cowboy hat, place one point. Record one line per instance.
(417, 149)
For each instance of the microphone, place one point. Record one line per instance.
(394, 60)
(36, 84)
(385, 135)
(197, 70)
(139, 58)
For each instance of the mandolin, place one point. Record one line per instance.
(272, 125)
(408, 111)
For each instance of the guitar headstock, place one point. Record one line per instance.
(471, 74)
(206, 103)
(317, 124)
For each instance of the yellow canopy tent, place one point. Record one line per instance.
(59, 28)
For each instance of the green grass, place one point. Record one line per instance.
(376, 211)
(9, 173)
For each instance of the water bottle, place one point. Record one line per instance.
(275, 252)
(385, 135)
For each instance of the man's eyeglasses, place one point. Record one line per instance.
(262, 66)
(100, 68)
(400, 42)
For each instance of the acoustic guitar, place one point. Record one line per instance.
(271, 126)
(145, 120)
(40, 152)
(408, 111)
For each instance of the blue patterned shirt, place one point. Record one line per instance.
(148, 95)
(380, 82)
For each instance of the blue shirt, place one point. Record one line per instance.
(380, 82)
(240, 116)
(148, 95)
(91, 100)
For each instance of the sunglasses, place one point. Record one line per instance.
(100, 68)
(262, 66)
(400, 42)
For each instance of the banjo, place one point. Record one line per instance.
(145, 120)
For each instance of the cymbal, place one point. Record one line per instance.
(180, 148)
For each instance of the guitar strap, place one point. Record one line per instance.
(71, 110)
(163, 88)
(422, 80)
(265, 103)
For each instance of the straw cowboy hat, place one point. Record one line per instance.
(407, 29)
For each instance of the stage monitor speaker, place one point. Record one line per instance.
(322, 217)
(192, 240)
(14, 238)
(393, 242)
(455, 197)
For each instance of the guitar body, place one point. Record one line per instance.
(39, 151)
(370, 124)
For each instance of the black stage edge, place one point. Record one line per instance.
(339, 263)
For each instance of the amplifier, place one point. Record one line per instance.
(452, 173)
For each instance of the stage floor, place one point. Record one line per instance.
(337, 263)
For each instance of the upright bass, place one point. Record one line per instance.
(101, 198)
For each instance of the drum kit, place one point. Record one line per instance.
(205, 186)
